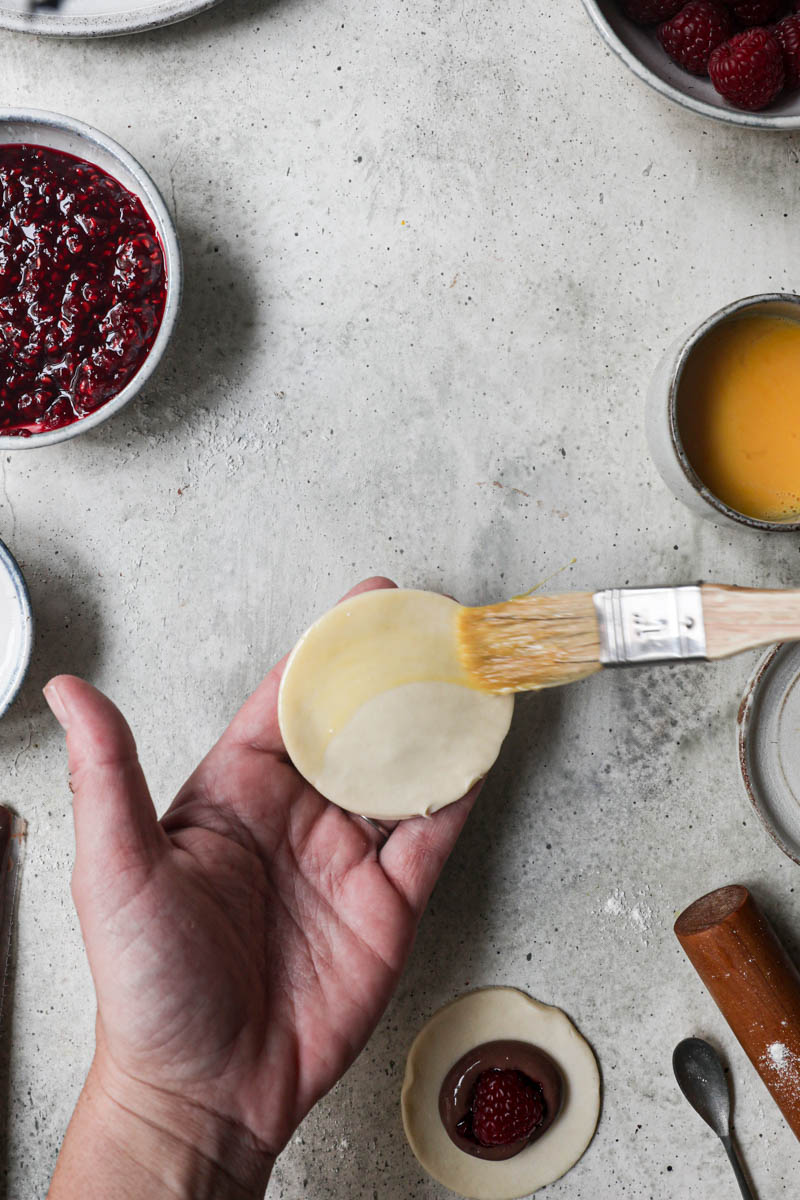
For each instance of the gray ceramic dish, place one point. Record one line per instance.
(96, 18)
(73, 137)
(638, 48)
(17, 625)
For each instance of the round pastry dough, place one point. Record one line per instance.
(377, 712)
(486, 1016)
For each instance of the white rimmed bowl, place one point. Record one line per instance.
(83, 141)
(96, 18)
(16, 629)
(639, 49)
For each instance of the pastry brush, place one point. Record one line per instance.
(543, 641)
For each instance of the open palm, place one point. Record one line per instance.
(244, 947)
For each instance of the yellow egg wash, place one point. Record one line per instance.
(337, 671)
(739, 415)
(377, 712)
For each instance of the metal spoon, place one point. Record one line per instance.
(701, 1078)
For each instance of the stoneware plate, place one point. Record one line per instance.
(95, 18)
(638, 48)
(83, 141)
(16, 628)
(769, 744)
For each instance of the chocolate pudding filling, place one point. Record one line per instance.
(456, 1094)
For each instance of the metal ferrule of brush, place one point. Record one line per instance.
(639, 625)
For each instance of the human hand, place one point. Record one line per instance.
(242, 949)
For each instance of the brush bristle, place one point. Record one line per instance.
(531, 643)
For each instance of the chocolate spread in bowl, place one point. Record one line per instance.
(455, 1097)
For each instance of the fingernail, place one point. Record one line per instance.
(57, 708)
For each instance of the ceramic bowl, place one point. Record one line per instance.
(16, 629)
(662, 424)
(638, 48)
(95, 18)
(82, 141)
(769, 750)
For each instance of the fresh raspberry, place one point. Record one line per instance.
(754, 12)
(648, 12)
(506, 1107)
(694, 32)
(787, 32)
(748, 70)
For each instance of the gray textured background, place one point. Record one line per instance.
(432, 255)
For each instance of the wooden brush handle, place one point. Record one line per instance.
(739, 619)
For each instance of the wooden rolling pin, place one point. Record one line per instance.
(12, 830)
(754, 983)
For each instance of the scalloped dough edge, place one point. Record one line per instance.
(483, 1016)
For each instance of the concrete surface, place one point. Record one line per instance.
(432, 253)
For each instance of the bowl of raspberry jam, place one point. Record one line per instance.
(90, 278)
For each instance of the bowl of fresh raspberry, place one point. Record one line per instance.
(733, 60)
(90, 278)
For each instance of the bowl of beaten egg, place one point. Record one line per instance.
(723, 414)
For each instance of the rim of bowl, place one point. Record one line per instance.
(703, 491)
(103, 24)
(743, 722)
(10, 564)
(157, 210)
(733, 116)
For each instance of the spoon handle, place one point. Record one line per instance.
(737, 1168)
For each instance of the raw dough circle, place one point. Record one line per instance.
(486, 1016)
(376, 710)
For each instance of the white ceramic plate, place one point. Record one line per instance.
(96, 18)
(16, 628)
(638, 48)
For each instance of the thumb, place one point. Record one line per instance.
(116, 828)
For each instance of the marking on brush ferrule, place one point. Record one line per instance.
(640, 625)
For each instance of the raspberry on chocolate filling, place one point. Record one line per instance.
(82, 288)
(499, 1098)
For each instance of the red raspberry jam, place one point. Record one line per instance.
(82, 288)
